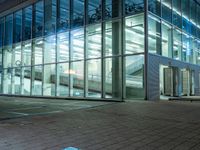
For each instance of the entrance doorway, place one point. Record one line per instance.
(175, 82)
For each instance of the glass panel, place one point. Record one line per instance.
(26, 80)
(7, 57)
(8, 30)
(77, 44)
(93, 88)
(50, 49)
(113, 78)
(166, 40)
(63, 15)
(37, 80)
(49, 80)
(17, 27)
(17, 60)
(27, 47)
(63, 47)
(77, 79)
(1, 32)
(167, 10)
(186, 50)
(27, 23)
(17, 80)
(134, 73)
(177, 44)
(78, 13)
(50, 17)
(134, 34)
(177, 20)
(94, 11)
(134, 6)
(154, 35)
(154, 6)
(38, 45)
(1, 79)
(7, 75)
(94, 41)
(39, 19)
(113, 38)
(63, 79)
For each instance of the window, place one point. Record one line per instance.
(17, 27)
(77, 44)
(39, 19)
(177, 20)
(134, 34)
(8, 31)
(134, 72)
(50, 49)
(154, 6)
(134, 6)
(50, 17)
(94, 11)
(63, 15)
(63, 47)
(93, 41)
(27, 23)
(177, 44)
(37, 80)
(167, 10)
(1, 31)
(78, 13)
(166, 40)
(154, 35)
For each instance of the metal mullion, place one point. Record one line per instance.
(146, 49)
(103, 60)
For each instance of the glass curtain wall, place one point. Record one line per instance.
(74, 48)
(173, 30)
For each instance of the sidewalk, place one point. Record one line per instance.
(104, 126)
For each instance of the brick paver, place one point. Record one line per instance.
(124, 126)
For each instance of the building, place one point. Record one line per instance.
(100, 49)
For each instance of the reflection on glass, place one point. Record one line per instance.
(27, 47)
(177, 20)
(77, 79)
(63, 47)
(94, 41)
(50, 16)
(38, 45)
(17, 27)
(39, 19)
(27, 23)
(37, 80)
(94, 10)
(63, 15)
(63, 79)
(77, 13)
(154, 6)
(113, 78)
(134, 6)
(186, 49)
(93, 88)
(167, 10)
(50, 49)
(8, 34)
(49, 79)
(1, 32)
(134, 73)
(134, 34)
(7, 57)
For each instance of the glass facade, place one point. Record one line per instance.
(94, 48)
(74, 48)
(174, 31)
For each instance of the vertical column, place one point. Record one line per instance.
(116, 50)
